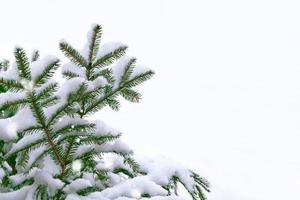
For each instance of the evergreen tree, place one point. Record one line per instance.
(50, 150)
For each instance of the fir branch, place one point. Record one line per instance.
(69, 74)
(29, 130)
(130, 95)
(50, 101)
(73, 54)
(113, 104)
(110, 57)
(23, 158)
(138, 79)
(12, 106)
(94, 42)
(94, 139)
(4, 64)
(37, 110)
(22, 63)
(87, 190)
(11, 84)
(47, 91)
(124, 171)
(75, 127)
(58, 156)
(73, 96)
(106, 73)
(28, 147)
(47, 72)
(201, 181)
(37, 160)
(41, 118)
(70, 149)
(41, 193)
(101, 102)
(35, 56)
(128, 69)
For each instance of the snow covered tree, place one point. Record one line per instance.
(50, 150)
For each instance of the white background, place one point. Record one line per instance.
(225, 100)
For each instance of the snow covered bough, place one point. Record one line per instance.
(50, 150)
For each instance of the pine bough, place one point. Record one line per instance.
(48, 148)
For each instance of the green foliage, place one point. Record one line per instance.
(88, 190)
(22, 63)
(94, 68)
(61, 142)
(35, 55)
(4, 64)
(4, 112)
(42, 193)
(47, 73)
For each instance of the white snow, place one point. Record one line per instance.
(27, 139)
(142, 184)
(103, 129)
(11, 96)
(67, 120)
(11, 73)
(71, 67)
(43, 177)
(119, 67)
(98, 82)
(77, 165)
(65, 89)
(16, 195)
(38, 66)
(21, 120)
(108, 47)
(160, 170)
(76, 185)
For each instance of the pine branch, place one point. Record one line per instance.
(54, 148)
(28, 147)
(22, 63)
(47, 72)
(99, 140)
(37, 110)
(47, 91)
(63, 142)
(130, 95)
(124, 171)
(75, 127)
(4, 64)
(73, 97)
(40, 116)
(94, 42)
(128, 70)
(110, 57)
(29, 130)
(12, 106)
(49, 101)
(113, 104)
(138, 79)
(101, 102)
(69, 149)
(23, 158)
(69, 74)
(73, 54)
(11, 85)
(35, 56)
(37, 160)
(106, 73)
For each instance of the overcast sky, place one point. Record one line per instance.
(225, 100)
